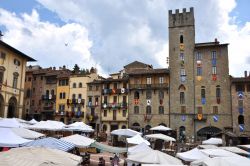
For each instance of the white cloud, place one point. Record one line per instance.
(49, 44)
(111, 33)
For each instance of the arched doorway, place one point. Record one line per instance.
(136, 127)
(208, 132)
(182, 134)
(124, 127)
(1, 106)
(147, 129)
(12, 108)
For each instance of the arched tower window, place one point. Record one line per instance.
(181, 39)
(203, 92)
(136, 95)
(218, 91)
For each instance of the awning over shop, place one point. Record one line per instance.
(107, 148)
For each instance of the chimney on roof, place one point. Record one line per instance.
(245, 74)
(1, 35)
(216, 41)
(64, 67)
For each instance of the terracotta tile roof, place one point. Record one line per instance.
(149, 71)
(240, 79)
(209, 44)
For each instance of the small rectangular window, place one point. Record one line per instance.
(161, 80)
(215, 110)
(2, 55)
(203, 93)
(199, 71)
(213, 54)
(199, 110)
(161, 110)
(182, 56)
(214, 70)
(15, 79)
(124, 113)
(115, 85)
(183, 72)
(182, 98)
(105, 113)
(136, 109)
(148, 94)
(106, 99)
(183, 109)
(198, 56)
(115, 99)
(148, 80)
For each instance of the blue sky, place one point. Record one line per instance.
(109, 34)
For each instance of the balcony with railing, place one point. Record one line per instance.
(115, 91)
(48, 97)
(75, 101)
(122, 105)
(148, 86)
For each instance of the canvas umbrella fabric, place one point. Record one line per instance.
(153, 157)
(222, 161)
(160, 136)
(125, 132)
(52, 143)
(26, 133)
(50, 125)
(38, 157)
(142, 147)
(79, 126)
(218, 153)
(236, 150)
(191, 155)
(161, 128)
(10, 123)
(9, 139)
(32, 121)
(79, 140)
(212, 141)
(137, 139)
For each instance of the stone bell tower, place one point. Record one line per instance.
(181, 65)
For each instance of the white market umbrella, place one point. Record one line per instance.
(50, 125)
(221, 161)
(160, 136)
(79, 126)
(137, 139)
(10, 123)
(125, 132)
(235, 150)
(26, 133)
(212, 141)
(153, 157)
(218, 153)
(142, 147)
(191, 155)
(38, 156)
(161, 128)
(32, 121)
(9, 139)
(78, 140)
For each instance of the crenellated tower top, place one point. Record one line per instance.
(178, 19)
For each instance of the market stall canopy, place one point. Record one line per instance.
(153, 157)
(137, 139)
(10, 123)
(107, 148)
(161, 128)
(125, 132)
(191, 155)
(32, 121)
(78, 140)
(247, 147)
(213, 141)
(160, 136)
(26, 133)
(37, 157)
(208, 147)
(50, 125)
(142, 147)
(9, 139)
(218, 153)
(79, 126)
(235, 150)
(52, 143)
(222, 161)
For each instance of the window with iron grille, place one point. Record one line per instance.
(148, 109)
(218, 91)
(215, 110)
(161, 110)
(213, 54)
(136, 109)
(182, 98)
(198, 56)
